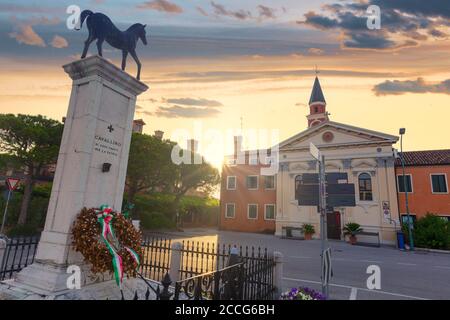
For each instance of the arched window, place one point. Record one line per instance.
(298, 182)
(365, 187)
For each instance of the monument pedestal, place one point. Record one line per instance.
(91, 168)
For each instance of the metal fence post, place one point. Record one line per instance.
(175, 261)
(2, 254)
(278, 273)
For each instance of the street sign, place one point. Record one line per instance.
(327, 272)
(314, 151)
(339, 193)
(12, 183)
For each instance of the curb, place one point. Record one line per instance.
(433, 250)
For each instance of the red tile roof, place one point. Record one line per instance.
(425, 158)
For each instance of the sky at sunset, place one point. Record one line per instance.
(224, 64)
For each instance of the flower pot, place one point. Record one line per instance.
(308, 236)
(352, 239)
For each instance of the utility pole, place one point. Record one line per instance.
(325, 262)
(323, 221)
(405, 186)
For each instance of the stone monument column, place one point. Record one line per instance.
(92, 163)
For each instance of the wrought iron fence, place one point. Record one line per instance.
(223, 284)
(19, 253)
(156, 258)
(199, 258)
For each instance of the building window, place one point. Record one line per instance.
(230, 209)
(231, 183)
(252, 211)
(298, 182)
(401, 184)
(269, 212)
(269, 182)
(439, 183)
(365, 187)
(253, 159)
(252, 182)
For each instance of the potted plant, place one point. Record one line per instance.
(308, 230)
(351, 229)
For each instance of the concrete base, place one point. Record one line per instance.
(107, 290)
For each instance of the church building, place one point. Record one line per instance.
(252, 202)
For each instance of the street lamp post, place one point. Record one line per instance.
(411, 239)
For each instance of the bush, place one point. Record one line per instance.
(25, 230)
(205, 211)
(431, 232)
(156, 220)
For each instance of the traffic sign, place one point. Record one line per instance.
(314, 151)
(327, 272)
(12, 183)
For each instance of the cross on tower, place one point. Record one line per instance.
(110, 128)
(316, 70)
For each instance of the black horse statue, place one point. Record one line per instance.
(101, 28)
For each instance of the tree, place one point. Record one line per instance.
(32, 142)
(201, 176)
(150, 167)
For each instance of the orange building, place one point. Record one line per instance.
(426, 174)
(247, 198)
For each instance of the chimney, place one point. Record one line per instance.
(192, 145)
(138, 125)
(159, 134)
(237, 145)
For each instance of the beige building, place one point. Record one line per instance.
(366, 156)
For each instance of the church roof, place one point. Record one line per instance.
(425, 158)
(372, 135)
(317, 94)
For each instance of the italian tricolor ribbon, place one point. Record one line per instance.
(105, 218)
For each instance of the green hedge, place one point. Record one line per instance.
(158, 210)
(36, 211)
(156, 220)
(431, 232)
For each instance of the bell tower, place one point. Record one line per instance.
(317, 105)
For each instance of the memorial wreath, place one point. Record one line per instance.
(108, 241)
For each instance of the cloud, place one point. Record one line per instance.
(202, 11)
(397, 87)
(15, 8)
(26, 35)
(24, 32)
(222, 76)
(315, 51)
(59, 42)
(195, 102)
(266, 12)
(161, 5)
(220, 10)
(403, 23)
(185, 112)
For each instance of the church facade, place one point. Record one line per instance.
(365, 156)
